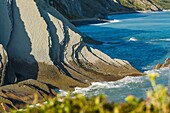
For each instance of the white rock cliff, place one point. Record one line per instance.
(44, 51)
(43, 45)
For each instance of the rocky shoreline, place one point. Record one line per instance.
(42, 51)
(87, 21)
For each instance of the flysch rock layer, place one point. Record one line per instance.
(3, 63)
(43, 46)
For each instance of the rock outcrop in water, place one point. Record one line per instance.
(165, 65)
(46, 52)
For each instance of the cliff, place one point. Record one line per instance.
(46, 52)
(77, 9)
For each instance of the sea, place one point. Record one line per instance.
(143, 39)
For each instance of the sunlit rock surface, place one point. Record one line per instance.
(3, 63)
(43, 46)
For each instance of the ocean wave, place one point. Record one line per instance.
(167, 39)
(122, 83)
(163, 71)
(163, 39)
(133, 39)
(108, 85)
(105, 23)
(154, 41)
(128, 85)
(149, 67)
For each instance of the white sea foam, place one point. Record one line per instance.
(126, 84)
(108, 85)
(109, 22)
(163, 39)
(149, 67)
(162, 72)
(114, 21)
(166, 10)
(61, 92)
(154, 41)
(167, 39)
(133, 39)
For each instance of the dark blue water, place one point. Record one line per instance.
(141, 38)
(151, 31)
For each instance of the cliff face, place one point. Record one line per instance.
(46, 52)
(39, 39)
(76, 9)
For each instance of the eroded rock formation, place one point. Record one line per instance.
(43, 46)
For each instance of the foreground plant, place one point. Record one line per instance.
(157, 101)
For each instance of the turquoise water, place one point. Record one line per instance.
(141, 38)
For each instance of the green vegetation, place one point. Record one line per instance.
(165, 4)
(135, 4)
(143, 5)
(157, 101)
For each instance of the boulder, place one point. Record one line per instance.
(165, 65)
